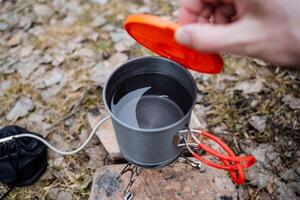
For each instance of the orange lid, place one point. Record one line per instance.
(158, 35)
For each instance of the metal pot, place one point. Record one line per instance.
(151, 143)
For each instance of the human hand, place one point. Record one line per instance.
(266, 29)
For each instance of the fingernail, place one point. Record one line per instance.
(182, 36)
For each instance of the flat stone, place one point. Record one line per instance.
(259, 123)
(26, 51)
(100, 73)
(292, 102)
(21, 109)
(106, 135)
(42, 10)
(98, 21)
(177, 181)
(4, 86)
(14, 40)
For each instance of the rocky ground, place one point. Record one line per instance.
(55, 57)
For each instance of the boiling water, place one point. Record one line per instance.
(150, 101)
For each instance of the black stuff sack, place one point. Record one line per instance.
(22, 160)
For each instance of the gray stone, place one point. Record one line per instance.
(15, 39)
(52, 193)
(4, 86)
(25, 22)
(101, 72)
(9, 66)
(85, 53)
(26, 51)
(249, 87)
(57, 60)
(295, 187)
(258, 177)
(284, 192)
(53, 77)
(46, 59)
(98, 21)
(291, 176)
(101, 2)
(64, 195)
(259, 123)
(21, 109)
(51, 92)
(4, 26)
(42, 11)
(292, 102)
(26, 67)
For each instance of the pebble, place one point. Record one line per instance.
(53, 77)
(64, 196)
(249, 87)
(98, 21)
(15, 39)
(26, 51)
(259, 123)
(101, 2)
(21, 109)
(101, 72)
(3, 26)
(4, 86)
(42, 10)
(292, 102)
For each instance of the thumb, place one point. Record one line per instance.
(215, 38)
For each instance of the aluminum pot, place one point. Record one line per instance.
(151, 147)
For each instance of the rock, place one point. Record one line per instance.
(117, 36)
(98, 21)
(25, 22)
(26, 67)
(125, 43)
(249, 87)
(52, 193)
(195, 123)
(4, 86)
(291, 176)
(57, 60)
(26, 51)
(295, 187)
(21, 109)
(200, 112)
(259, 123)
(101, 2)
(258, 176)
(15, 39)
(46, 59)
(64, 195)
(101, 72)
(50, 92)
(284, 192)
(42, 11)
(260, 62)
(84, 53)
(97, 154)
(106, 135)
(298, 170)
(292, 102)
(179, 181)
(9, 66)
(260, 152)
(53, 77)
(4, 26)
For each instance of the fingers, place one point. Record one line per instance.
(216, 38)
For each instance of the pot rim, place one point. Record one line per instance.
(165, 128)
